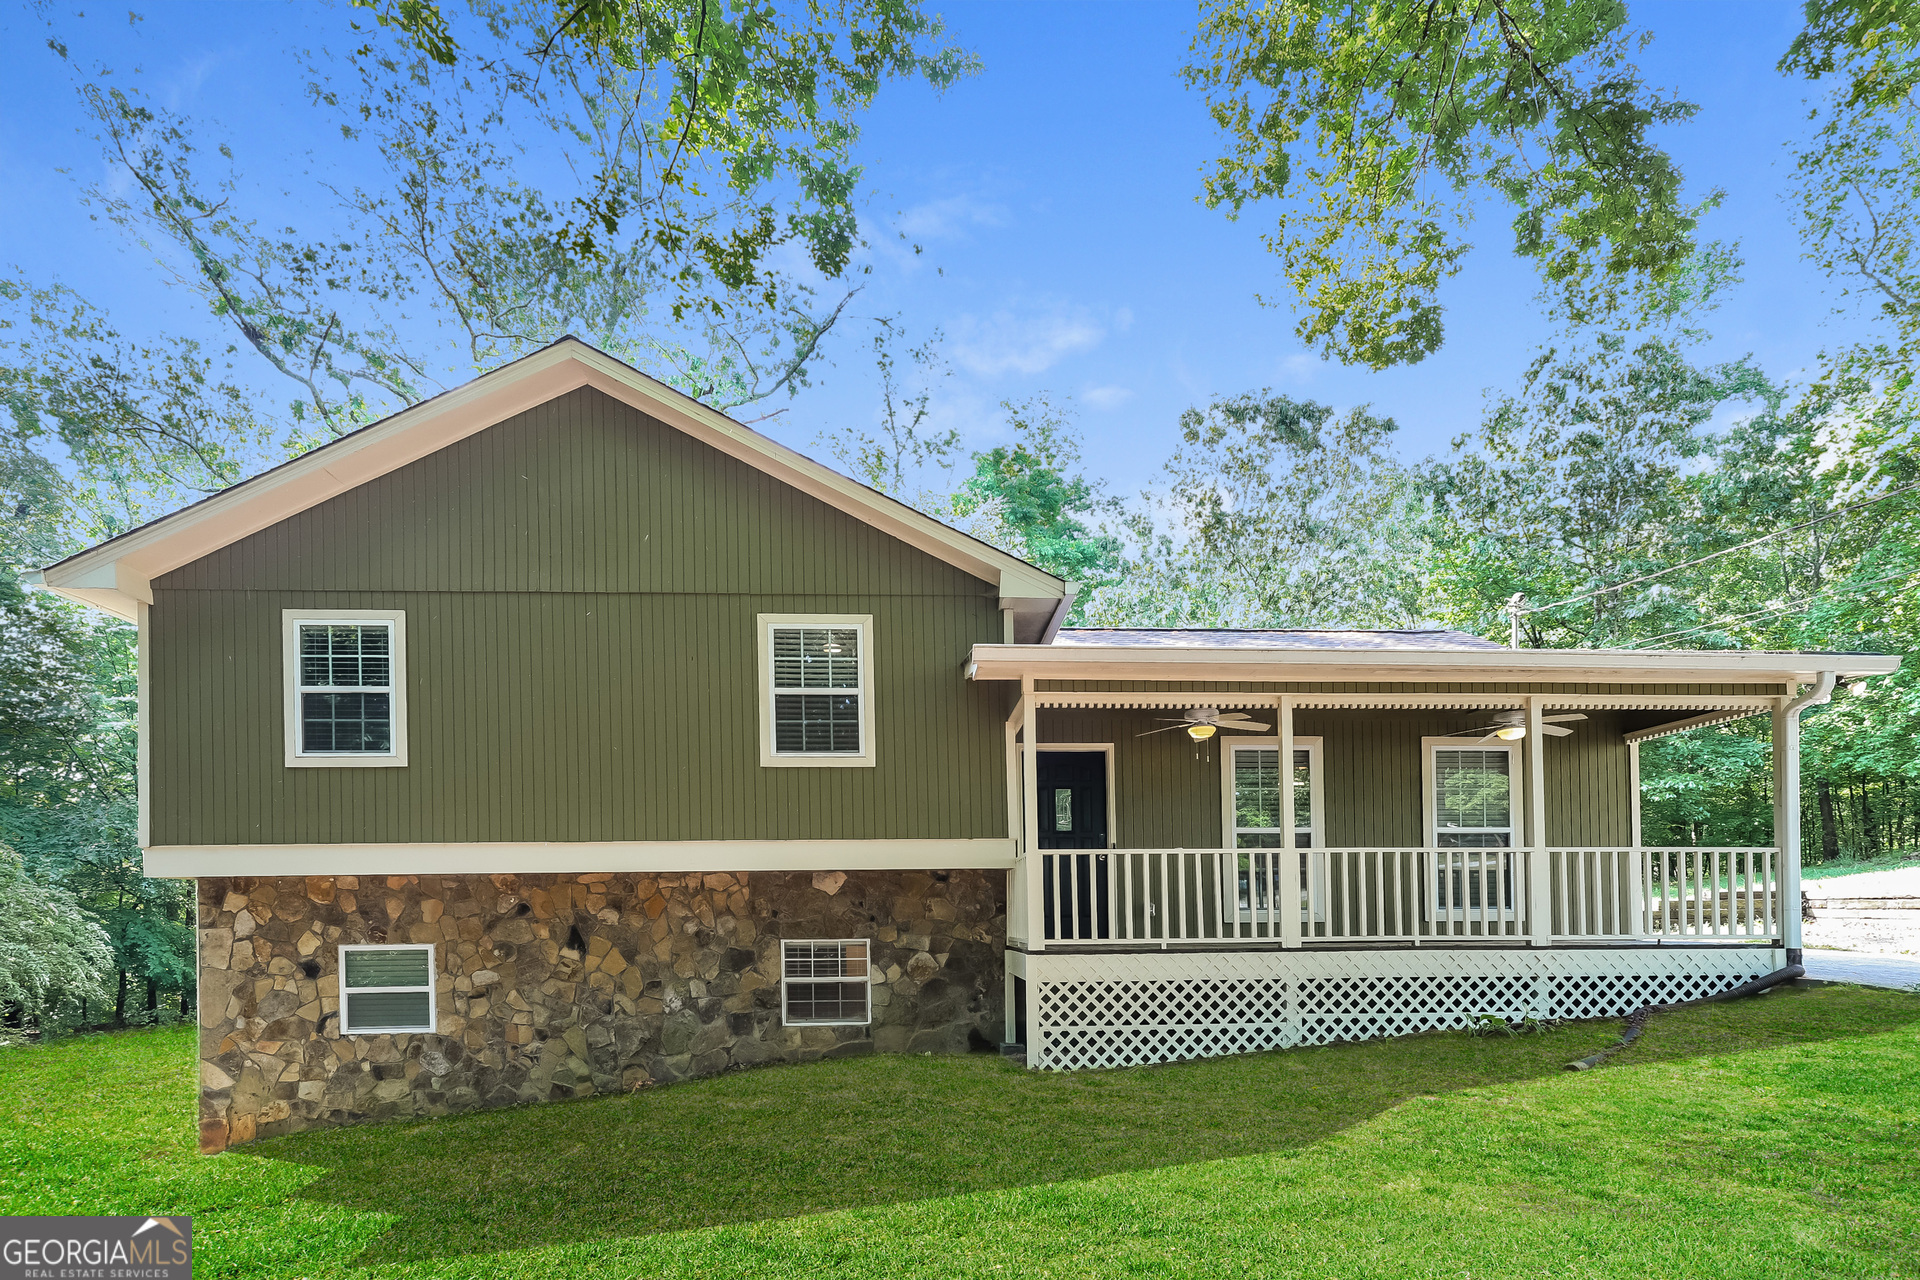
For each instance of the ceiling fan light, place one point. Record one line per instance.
(1510, 732)
(1200, 732)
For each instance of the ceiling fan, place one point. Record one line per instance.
(1202, 722)
(1511, 726)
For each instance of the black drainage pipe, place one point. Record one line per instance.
(1638, 1019)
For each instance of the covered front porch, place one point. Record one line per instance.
(1399, 819)
(1407, 831)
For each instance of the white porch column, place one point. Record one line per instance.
(1786, 801)
(1539, 865)
(1287, 892)
(1786, 819)
(1030, 816)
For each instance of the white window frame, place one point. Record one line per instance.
(862, 623)
(432, 990)
(291, 620)
(786, 983)
(1316, 812)
(1509, 910)
(1429, 817)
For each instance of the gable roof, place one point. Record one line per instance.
(117, 575)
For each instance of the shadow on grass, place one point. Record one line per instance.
(851, 1133)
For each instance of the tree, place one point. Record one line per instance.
(1034, 490)
(733, 95)
(53, 959)
(1277, 513)
(1576, 486)
(1380, 125)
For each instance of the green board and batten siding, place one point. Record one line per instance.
(1167, 792)
(580, 585)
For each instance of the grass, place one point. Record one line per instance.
(1828, 870)
(1768, 1138)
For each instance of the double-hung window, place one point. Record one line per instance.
(1258, 818)
(386, 989)
(816, 689)
(1471, 804)
(825, 983)
(1259, 796)
(345, 676)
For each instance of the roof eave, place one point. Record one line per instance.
(1013, 662)
(117, 575)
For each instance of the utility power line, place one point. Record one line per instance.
(1751, 542)
(1775, 608)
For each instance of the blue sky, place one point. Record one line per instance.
(1054, 195)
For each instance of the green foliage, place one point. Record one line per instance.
(1274, 513)
(1380, 125)
(1870, 43)
(709, 96)
(53, 958)
(67, 805)
(1708, 787)
(1035, 489)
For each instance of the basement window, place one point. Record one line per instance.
(825, 983)
(345, 679)
(386, 989)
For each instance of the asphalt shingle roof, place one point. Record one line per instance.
(1288, 638)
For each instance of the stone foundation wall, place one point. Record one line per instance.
(560, 986)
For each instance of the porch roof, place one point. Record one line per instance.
(1390, 656)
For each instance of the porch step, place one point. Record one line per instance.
(1015, 1053)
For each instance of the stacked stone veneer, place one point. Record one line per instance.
(560, 986)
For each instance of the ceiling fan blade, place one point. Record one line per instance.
(1164, 729)
(1248, 725)
(1489, 738)
(1555, 730)
(1234, 715)
(1571, 715)
(1461, 733)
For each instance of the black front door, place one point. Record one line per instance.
(1073, 815)
(1073, 799)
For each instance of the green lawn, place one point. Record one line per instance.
(1777, 1137)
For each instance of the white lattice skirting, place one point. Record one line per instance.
(1121, 1010)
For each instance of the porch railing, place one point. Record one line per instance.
(1134, 897)
(1666, 893)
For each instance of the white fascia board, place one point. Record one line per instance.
(1639, 666)
(117, 573)
(663, 856)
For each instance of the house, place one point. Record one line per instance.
(559, 735)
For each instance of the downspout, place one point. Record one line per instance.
(1787, 806)
(1637, 1020)
(1059, 615)
(1821, 691)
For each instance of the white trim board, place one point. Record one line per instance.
(185, 861)
(1530, 666)
(118, 573)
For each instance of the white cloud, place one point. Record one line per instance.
(1300, 367)
(950, 218)
(1107, 397)
(1028, 341)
